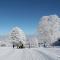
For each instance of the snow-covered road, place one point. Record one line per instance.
(23, 54)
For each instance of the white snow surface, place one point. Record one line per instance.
(8, 53)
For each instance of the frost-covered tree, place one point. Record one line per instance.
(33, 42)
(48, 28)
(17, 35)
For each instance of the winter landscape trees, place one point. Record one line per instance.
(48, 29)
(17, 37)
(48, 32)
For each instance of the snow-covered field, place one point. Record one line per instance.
(8, 53)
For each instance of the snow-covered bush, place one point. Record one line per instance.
(3, 45)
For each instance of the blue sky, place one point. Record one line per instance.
(25, 13)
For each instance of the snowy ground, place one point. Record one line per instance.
(7, 53)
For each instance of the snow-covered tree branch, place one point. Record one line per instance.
(48, 28)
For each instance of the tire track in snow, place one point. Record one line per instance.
(36, 55)
(45, 56)
(26, 55)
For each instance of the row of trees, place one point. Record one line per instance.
(48, 30)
